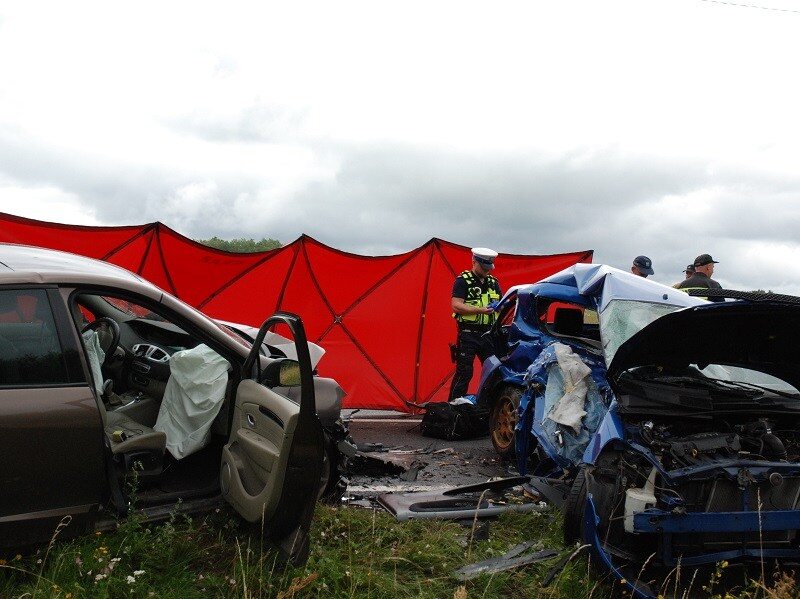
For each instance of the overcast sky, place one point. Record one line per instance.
(661, 127)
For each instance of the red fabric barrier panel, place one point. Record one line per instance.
(385, 321)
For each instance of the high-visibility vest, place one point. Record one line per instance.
(476, 296)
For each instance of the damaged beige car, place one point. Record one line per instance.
(106, 379)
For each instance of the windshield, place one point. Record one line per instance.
(235, 334)
(622, 319)
(753, 378)
(132, 309)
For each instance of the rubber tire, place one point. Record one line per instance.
(330, 490)
(500, 420)
(574, 509)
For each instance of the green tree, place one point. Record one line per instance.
(241, 245)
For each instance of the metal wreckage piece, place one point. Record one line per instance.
(480, 500)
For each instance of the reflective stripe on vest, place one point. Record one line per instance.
(477, 297)
(687, 289)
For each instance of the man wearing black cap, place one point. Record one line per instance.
(688, 272)
(701, 279)
(474, 294)
(642, 266)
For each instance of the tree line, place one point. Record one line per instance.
(241, 245)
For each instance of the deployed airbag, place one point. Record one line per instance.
(95, 356)
(569, 411)
(192, 399)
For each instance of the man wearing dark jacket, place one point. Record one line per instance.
(701, 279)
(475, 294)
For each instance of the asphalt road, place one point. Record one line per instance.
(441, 464)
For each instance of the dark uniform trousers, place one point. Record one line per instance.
(471, 343)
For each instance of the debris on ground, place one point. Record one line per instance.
(509, 561)
(370, 447)
(482, 500)
(561, 564)
(378, 464)
(444, 450)
(410, 475)
(478, 530)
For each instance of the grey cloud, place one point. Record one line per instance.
(257, 122)
(389, 198)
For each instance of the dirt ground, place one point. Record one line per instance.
(432, 464)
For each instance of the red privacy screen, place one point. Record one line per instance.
(385, 321)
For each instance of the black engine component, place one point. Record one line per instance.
(754, 438)
(759, 438)
(696, 448)
(689, 449)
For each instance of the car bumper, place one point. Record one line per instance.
(667, 524)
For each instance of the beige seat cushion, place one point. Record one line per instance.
(138, 436)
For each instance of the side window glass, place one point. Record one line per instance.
(569, 320)
(30, 353)
(507, 317)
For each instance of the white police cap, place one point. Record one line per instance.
(484, 256)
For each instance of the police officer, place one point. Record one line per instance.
(689, 272)
(474, 294)
(642, 266)
(701, 279)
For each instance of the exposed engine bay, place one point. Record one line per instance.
(720, 466)
(756, 439)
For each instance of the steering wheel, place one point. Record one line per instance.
(108, 335)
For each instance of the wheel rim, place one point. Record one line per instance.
(506, 420)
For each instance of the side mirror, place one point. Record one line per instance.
(281, 373)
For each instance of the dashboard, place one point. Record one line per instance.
(148, 345)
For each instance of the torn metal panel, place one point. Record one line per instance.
(554, 490)
(472, 501)
(509, 561)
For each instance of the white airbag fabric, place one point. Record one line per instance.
(569, 409)
(95, 356)
(192, 399)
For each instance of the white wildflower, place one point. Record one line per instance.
(130, 579)
(138, 572)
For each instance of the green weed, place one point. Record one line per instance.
(354, 553)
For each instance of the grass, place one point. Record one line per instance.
(355, 553)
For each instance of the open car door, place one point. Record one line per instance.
(272, 463)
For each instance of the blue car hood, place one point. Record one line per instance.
(762, 336)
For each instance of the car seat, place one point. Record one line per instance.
(127, 438)
(568, 321)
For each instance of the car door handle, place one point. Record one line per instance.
(250, 420)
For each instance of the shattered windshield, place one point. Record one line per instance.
(622, 319)
(746, 378)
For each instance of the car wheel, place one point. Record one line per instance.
(574, 508)
(331, 487)
(503, 419)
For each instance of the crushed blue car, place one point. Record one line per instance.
(665, 426)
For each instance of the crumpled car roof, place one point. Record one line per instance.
(607, 283)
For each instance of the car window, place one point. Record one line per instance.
(622, 319)
(567, 319)
(30, 353)
(507, 316)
